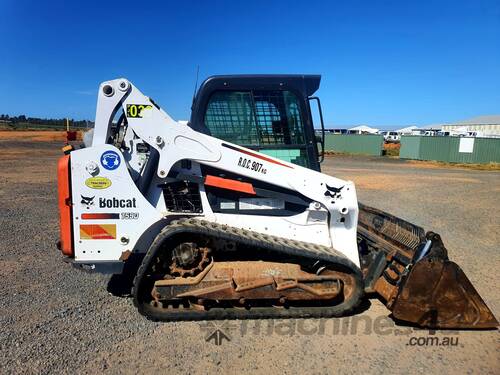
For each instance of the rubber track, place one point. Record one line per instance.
(271, 243)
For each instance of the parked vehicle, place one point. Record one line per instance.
(392, 137)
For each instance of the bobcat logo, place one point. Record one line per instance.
(333, 191)
(87, 201)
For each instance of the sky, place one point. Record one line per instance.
(383, 63)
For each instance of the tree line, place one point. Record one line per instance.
(55, 122)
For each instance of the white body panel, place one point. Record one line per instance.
(122, 187)
(330, 219)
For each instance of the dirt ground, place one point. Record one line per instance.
(56, 319)
(36, 136)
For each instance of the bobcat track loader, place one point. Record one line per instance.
(211, 229)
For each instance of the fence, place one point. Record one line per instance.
(451, 149)
(366, 144)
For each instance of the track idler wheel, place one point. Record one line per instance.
(189, 259)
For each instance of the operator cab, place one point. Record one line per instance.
(267, 113)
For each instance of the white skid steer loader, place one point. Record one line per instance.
(211, 229)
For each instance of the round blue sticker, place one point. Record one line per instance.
(110, 160)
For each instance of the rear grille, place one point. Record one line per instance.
(182, 196)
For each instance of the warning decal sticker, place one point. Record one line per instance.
(98, 231)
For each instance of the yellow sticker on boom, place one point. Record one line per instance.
(139, 110)
(98, 182)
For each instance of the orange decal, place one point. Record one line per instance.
(226, 183)
(98, 231)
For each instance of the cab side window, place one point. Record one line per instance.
(230, 116)
(255, 118)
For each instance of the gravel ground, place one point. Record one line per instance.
(58, 320)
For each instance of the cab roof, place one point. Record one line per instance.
(307, 84)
